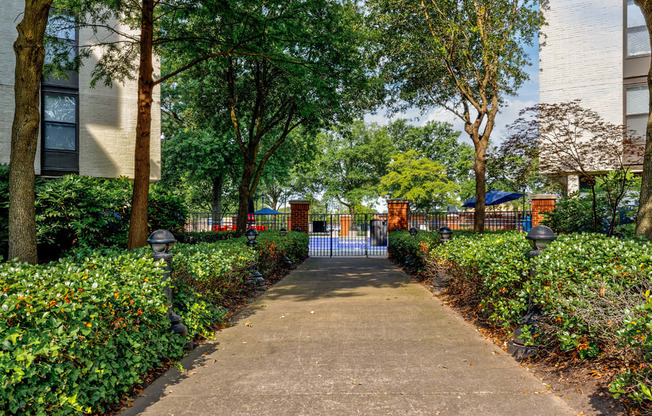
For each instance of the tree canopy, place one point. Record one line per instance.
(462, 55)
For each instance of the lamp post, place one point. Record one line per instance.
(414, 231)
(539, 237)
(251, 235)
(161, 242)
(256, 280)
(445, 234)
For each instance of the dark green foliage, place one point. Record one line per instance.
(83, 211)
(593, 291)
(166, 211)
(575, 214)
(411, 251)
(203, 237)
(77, 334)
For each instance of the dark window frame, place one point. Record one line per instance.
(68, 88)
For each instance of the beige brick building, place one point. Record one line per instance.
(597, 51)
(83, 130)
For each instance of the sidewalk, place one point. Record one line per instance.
(347, 336)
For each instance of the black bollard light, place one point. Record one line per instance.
(414, 231)
(445, 234)
(540, 237)
(298, 229)
(283, 232)
(256, 280)
(251, 235)
(161, 242)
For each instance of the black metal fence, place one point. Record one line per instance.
(222, 221)
(354, 235)
(494, 220)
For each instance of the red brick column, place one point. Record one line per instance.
(299, 215)
(540, 204)
(397, 214)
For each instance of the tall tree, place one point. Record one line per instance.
(354, 158)
(439, 142)
(421, 180)
(305, 71)
(30, 54)
(192, 32)
(463, 55)
(644, 216)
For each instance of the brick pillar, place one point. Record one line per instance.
(299, 215)
(345, 225)
(540, 204)
(397, 214)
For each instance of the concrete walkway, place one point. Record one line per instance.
(348, 337)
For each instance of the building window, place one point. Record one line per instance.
(59, 104)
(59, 122)
(637, 109)
(638, 40)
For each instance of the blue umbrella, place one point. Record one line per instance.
(266, 211)
(495, 198)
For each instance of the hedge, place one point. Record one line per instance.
(204, 237)
(593, 291)
(76, 334)
(82, 211)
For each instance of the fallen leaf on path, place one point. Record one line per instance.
(192, 372)
(249, 324)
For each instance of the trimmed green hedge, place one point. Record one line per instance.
(410, 251)
(204, 237)
(593, 291)
(76, 334)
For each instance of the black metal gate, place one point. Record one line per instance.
(357, 235)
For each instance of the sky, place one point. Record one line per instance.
(527, 96)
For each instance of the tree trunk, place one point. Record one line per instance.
(30, 54)
(216, 202)
(480, 168)
(595, 209)
(138, 221)
(245, 191)
(644, 214)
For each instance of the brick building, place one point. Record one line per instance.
(83, 130)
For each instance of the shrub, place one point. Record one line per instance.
(204, 237)
(75, 336)
(589, 287)
(82, 211)
(487, 272)
(410, 251)
(575, 214)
